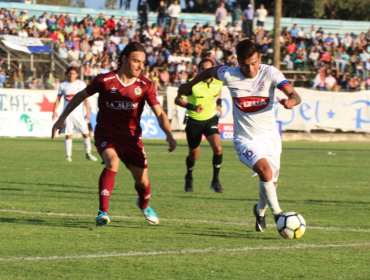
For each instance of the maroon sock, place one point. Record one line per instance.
(144, 196)
(106, 184)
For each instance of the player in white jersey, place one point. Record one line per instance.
(256, 138)
(76, 121)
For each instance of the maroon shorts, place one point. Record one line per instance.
(129, 150)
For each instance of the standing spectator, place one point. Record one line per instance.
(161, 12)
(143, 13)
(221, 14)
(237, 15)
(261, 15)
(2, 78)
(2, 65)
(174, 11)
(18, 78)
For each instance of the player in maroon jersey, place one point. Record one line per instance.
(122, 96)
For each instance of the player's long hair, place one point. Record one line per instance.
(131, 47)
(246, 49)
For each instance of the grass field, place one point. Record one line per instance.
(48, 208)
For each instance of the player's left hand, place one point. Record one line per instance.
(287, 103)
(219, 109)
(172, 143)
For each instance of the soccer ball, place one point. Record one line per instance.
(291, 225)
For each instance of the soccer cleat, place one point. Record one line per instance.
(260, 220)
(254, 174)
(216, 187)
(277, 216)
(102, 219)
(149, 214)
(91, 157)
(69, 159)
(188, 185)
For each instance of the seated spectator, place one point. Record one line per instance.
(164, 77)
(288, 60)
(56, 84)
(37, 84)
(73, 54)
(2, 78)
(70, 43)
(367, 83)
(122, 44)
(18, 78)
(87, 73)
(330, 83)
(183, 30)
(23, 33)
(343, 82)
(50, 81)
(154, 77)
(294, 31)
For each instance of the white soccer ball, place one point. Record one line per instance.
(291, 225)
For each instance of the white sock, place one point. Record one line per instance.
(87, 144)
(68, 145)
(268, 194)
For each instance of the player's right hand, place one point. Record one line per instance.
(57, 127)
(55, 116)
(198, 108)
(184, 89)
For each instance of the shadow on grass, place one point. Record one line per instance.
(68, 223)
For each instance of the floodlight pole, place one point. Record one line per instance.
(277, 30)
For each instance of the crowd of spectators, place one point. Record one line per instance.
(175, 49)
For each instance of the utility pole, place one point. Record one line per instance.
(277, 30)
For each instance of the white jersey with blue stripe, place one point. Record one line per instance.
(253, 99)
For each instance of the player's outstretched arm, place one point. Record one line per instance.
(179, 101)
(75, 101)
(164, 123)
(293, 98)
(201, 76)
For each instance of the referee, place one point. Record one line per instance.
(202, 118)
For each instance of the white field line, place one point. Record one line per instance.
(187, 251)
(174, 220)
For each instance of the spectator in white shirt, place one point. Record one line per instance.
(174, 10)
(23, 33)
(261, 15)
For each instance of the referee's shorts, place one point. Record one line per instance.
(194, 130)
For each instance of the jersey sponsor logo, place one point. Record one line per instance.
(113, 90)
(105, 192)
(69, 97)
(122, 105)
(103, 144)
(138, 91)
(251, 104)
(109, 78)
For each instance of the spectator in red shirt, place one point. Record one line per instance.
(54, 35)
(111, 24)
(326, 57)
(291, 48)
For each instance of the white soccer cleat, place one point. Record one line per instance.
(69, 159)
(91, 157)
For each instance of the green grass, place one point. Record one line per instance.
(203, 235)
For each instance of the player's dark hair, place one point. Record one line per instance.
(131, 47)
(246, 49)
(69, 69)
(205, 60)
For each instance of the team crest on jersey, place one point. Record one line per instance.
(251, 104)
(113, 90)
(261, 85)
(138, 91)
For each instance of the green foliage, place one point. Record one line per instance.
(203, 235)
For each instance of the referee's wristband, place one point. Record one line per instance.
(190, 107)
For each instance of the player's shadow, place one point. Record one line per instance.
(46, 185)
(324, 150)
(200, 197)
(241, 234)
(67, 223)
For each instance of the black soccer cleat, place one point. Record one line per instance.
(216, 187)
(276, 217)
(188, 184)
(260, 220)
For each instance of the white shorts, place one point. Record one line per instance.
(251, 151)
(75, 123)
